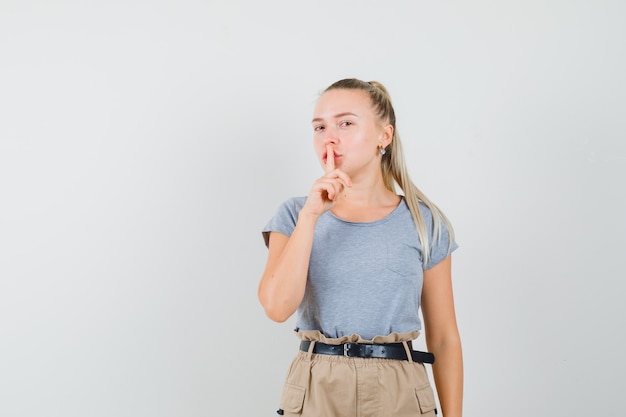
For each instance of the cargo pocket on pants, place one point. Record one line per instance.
(425, 398)
(292, 398)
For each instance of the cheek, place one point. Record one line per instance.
(362, 142)
(319, 148)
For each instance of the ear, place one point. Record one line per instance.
(387, 136)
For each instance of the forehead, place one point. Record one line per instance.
(339, 101)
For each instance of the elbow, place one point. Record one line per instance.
(276, 316)
(275, 309)
(279, 315)
(278, 312)
(447, 342)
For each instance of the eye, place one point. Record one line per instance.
(345, 123)
(318, 128)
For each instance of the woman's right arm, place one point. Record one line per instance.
(284, 280)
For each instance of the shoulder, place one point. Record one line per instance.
(296, 202)
(292, 205)
(427, 215)
(436, 223)
(426, 212)
(288, 210)
(285, 218)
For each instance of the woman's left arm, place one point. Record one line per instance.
(442, 337)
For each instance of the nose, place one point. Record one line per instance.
(330, 137)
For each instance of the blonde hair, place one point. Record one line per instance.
(394, 168)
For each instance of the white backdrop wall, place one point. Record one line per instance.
(144, 144)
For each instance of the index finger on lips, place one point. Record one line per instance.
(330, 159)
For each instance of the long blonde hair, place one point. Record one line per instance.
(394, 168)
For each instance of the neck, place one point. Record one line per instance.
(368, 194)
(366, 203)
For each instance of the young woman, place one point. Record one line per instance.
(357, 261)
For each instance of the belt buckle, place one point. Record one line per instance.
(357, 350)
(351, 350)
(354, 350)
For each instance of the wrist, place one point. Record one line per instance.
(306, 217)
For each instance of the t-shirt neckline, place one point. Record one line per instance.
(372, 223)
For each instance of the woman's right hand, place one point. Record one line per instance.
(326, 190)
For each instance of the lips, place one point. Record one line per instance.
(325, 156)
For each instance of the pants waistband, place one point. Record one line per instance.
(366, 350)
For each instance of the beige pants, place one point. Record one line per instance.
(337, 386)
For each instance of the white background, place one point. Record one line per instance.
(144, 144)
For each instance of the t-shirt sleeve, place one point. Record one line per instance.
(284, 221)
(440, 246)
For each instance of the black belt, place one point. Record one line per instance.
(363, 350)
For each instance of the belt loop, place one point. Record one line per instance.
(408, 351)
(309, 353)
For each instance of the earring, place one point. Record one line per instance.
(382, 151)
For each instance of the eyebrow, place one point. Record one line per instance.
(319, 119)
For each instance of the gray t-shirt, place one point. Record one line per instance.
(364, 278)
